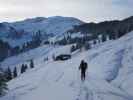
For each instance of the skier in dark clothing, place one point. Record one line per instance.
(83, 67)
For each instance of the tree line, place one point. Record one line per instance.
(115, 29)
(8, 74)
(6, 50)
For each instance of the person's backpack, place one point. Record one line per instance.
(85, 65)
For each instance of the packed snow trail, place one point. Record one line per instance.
(63, 82)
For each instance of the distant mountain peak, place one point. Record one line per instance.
(34, 20)
(55, 25)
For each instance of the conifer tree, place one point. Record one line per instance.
(22, 68)
(31, 64)
(3, 85)
(15, 72)
(8, 74)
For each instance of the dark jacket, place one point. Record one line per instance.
(83, 66)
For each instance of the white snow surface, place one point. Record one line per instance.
(109, 75)
(56, 25)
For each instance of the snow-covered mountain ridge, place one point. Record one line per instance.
(109, 75)
(52, 26)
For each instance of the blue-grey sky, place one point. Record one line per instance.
(86, 10)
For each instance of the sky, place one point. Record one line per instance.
(86, 10)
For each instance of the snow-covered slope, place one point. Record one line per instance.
(55, 25)
(109, 75)
(26, 57)
(41, 53)
(49, 27)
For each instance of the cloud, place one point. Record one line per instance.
(87, 10)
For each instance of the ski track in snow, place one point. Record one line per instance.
(61, 79)
(85, 94)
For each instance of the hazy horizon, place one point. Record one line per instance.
(85, 10)
(22, 19)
